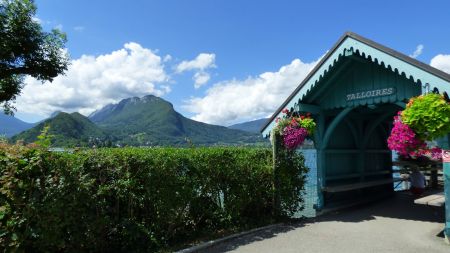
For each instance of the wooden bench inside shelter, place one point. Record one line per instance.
(360, 185)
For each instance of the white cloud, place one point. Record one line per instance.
(78, 28)
(200, 64)
(200, 78)
(442, 62)
(167, 58)
(234, 101)
(417, 52)
(92, 82)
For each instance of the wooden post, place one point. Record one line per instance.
(320, 179)
(276, 142)
(320, 159)
(446, 166)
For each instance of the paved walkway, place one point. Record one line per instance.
(393, 225)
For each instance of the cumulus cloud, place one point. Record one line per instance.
(200, 78)
(167, 58)
(417, 52)
(442, 62)
(200, 64)
(255, 97)
(92, 82)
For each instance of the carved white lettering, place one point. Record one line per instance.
(370, 94)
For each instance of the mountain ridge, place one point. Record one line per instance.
(67, 129)
(145, 121)
(154, 120)
(252, 126)
(10, 125)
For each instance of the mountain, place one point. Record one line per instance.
(54, 114)
(146, 121)
(67, 129)
(10, 125)
(152, 121)
(250, 126)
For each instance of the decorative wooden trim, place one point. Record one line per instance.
(333, 125)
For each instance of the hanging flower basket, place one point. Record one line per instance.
(426, 117)
(294, 129)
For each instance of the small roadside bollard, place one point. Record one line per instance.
(446, 166)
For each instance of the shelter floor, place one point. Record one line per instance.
(392, 225)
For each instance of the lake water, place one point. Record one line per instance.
(310, 196)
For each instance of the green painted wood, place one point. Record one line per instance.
(357, 175)
(374, 124)
(340, 153)
(444, 142)
(366, 77)
(446, 167)
(340, 69)
(349, 162)
(313, 109)
(351, 135)
(355, 151)
(360, 185)
(384, 60)
(333, 125)
(354, 131)
(321, 182)
(401, 104)
(319, 133)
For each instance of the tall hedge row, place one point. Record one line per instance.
(132, 199)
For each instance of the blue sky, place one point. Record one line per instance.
(250, 48)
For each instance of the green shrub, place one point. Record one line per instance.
(428, 115)
(132, 199)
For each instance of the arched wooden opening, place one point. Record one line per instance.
(356, 163)
(355, 105)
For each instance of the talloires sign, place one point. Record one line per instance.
(370, 94)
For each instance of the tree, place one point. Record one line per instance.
(25, 49)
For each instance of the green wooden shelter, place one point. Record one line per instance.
(353, 94)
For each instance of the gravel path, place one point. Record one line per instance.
(393, 225)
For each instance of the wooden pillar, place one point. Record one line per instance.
(320, 178)
(276, 143)
(320, 131)
(446, 166)
(361, 145)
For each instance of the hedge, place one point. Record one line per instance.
(135, 199)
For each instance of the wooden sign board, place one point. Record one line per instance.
(371, 94)
(446, 156)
